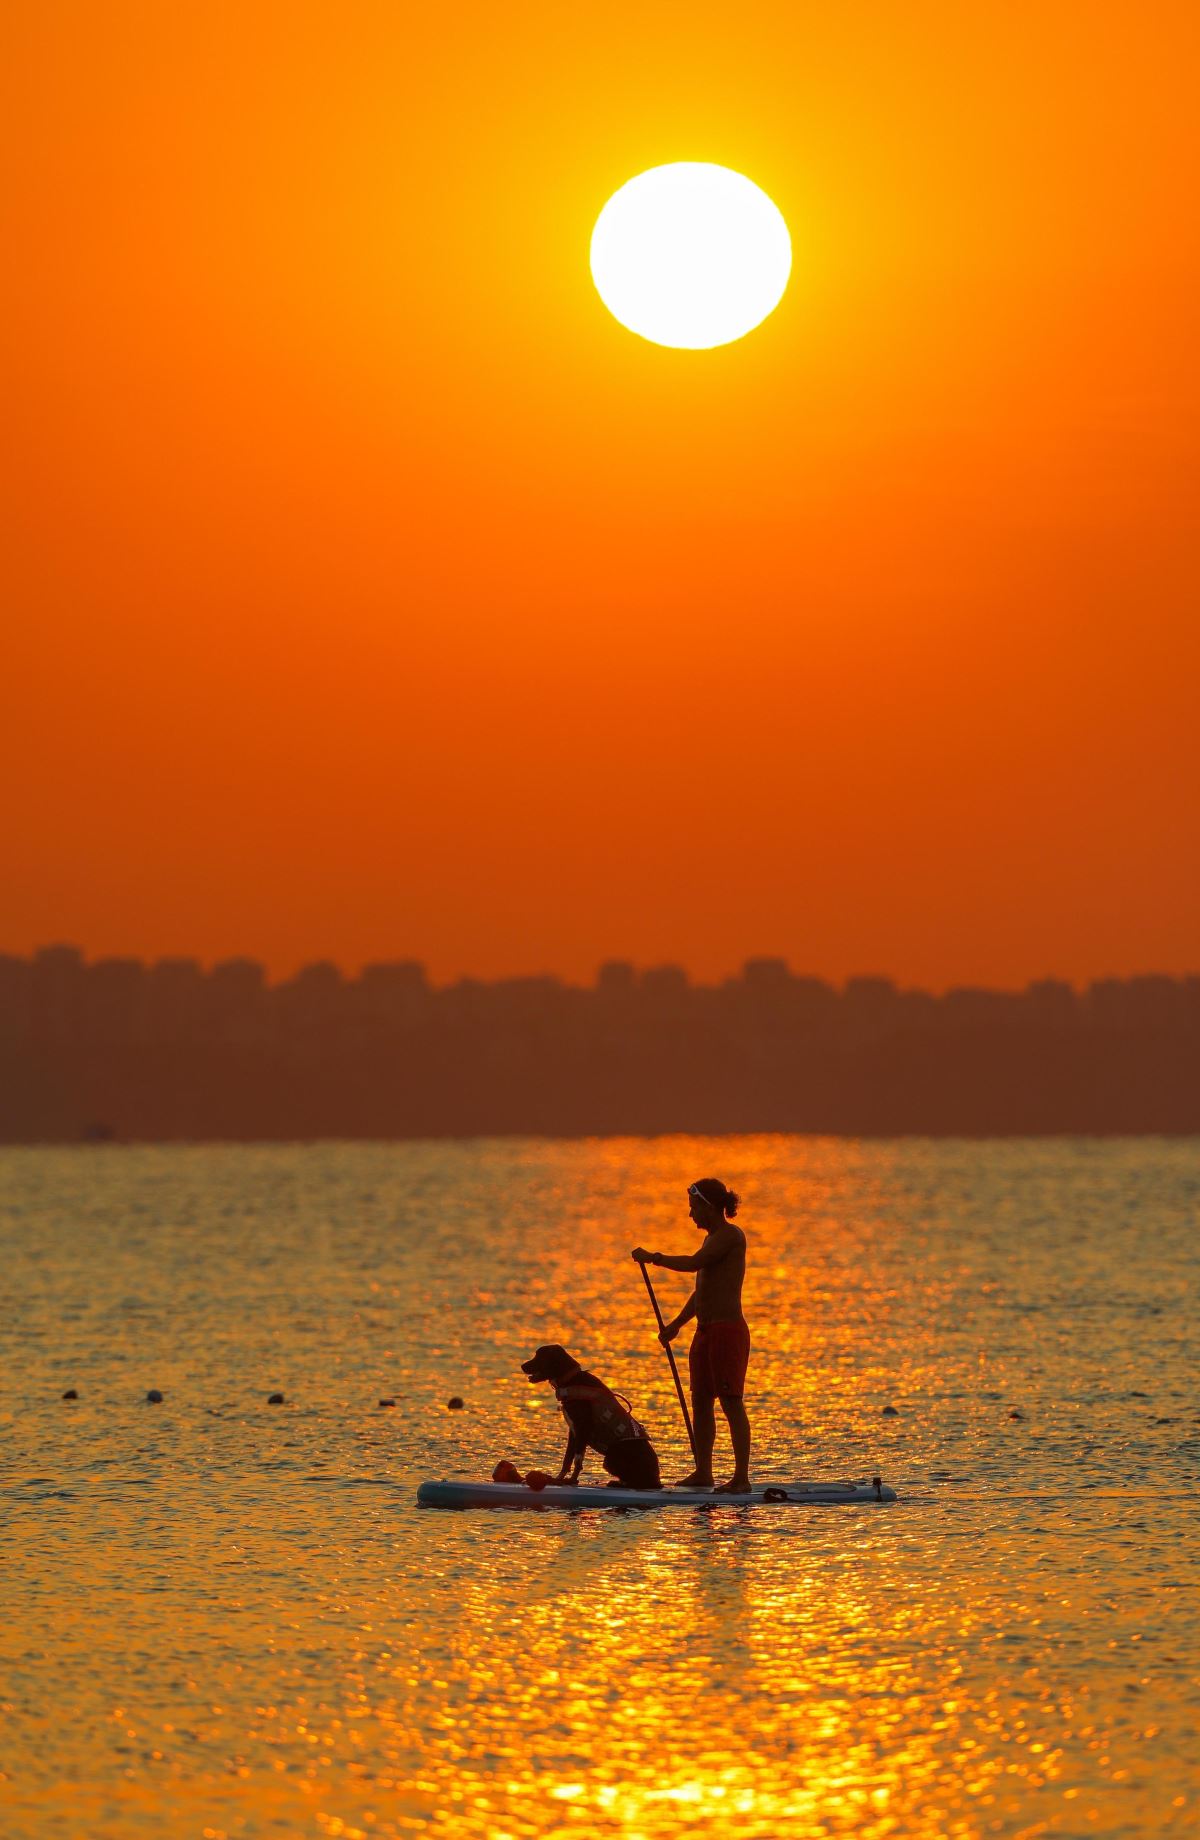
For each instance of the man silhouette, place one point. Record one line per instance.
(721, 1345)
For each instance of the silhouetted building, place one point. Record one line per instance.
(870, 1006)
(616, 979)
(393, 994)
(113, 1000)
(16, 992)
(1049, 1003)
(770, 976)
(56, 992)
(814, 1003)
(966, 1007)
(1137, 1002)
(664, 991)
(314, 1002)
(235, 998)
(175, 995)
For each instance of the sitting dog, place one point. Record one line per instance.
(597, 1418)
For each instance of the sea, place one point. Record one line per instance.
(224, 1617)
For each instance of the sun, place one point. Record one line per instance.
(690, 255)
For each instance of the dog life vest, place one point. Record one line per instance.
(596, 1416)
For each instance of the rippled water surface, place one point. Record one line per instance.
(222, 1617)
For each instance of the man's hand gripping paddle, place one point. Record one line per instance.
(687, 1418)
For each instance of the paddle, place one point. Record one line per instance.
(687, 1419)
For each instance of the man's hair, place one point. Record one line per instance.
(717, 1195)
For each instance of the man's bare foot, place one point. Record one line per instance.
(694, 1481)
(737, 1485)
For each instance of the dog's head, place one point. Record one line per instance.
(549, 1362)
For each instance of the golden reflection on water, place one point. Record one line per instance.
(230, 1620)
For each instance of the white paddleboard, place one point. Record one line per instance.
(516, 1495)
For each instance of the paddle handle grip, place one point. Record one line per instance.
(658, 1317)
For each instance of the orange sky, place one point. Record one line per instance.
(370, 592)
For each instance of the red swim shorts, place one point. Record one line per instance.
(717, 1362)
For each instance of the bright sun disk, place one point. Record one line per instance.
(690, 255)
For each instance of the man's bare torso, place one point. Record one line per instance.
(719, 1286)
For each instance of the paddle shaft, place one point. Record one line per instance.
(687, 1417)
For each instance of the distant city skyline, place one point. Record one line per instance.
(120, 1049)
(442, 973)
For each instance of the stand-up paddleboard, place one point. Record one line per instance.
(517, 1495)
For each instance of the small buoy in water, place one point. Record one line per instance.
(455, 1404)
(275, 1399)
(70, 1393)
(387, 1402)
(1016, 1414)
(890, 1412)
(154, 1397)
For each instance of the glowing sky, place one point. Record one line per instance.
(369, 591)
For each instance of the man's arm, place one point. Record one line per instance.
(717, 1246)
(670, 1330)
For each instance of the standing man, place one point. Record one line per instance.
(721, 1345)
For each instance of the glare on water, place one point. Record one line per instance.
(222, 1617)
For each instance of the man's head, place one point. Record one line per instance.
(710, 1203)
(549, 1362)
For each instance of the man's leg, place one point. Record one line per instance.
(734, 1409)
(704, 1424)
